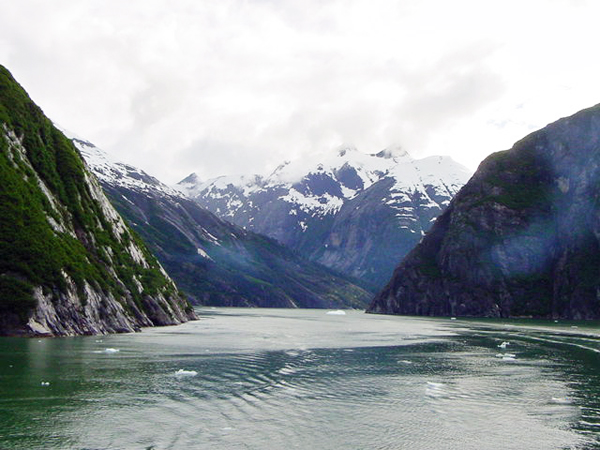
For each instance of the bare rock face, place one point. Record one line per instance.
(521, 238)
(68, 263)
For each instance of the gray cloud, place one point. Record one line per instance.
(232, 86)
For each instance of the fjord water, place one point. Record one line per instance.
(272, 379)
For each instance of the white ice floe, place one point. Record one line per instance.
(434, 389)
(111, 350)
(338, 312)
(561, 400)
(186, 373)
(452, 318)
(405, 361)
(504, 344)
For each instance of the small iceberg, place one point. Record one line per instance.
(504, 344)
(561, 400)
(186, 373)
(507, 356)
(108, 350)
(337, 312)
(434, 389)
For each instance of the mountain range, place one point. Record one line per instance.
(356, 213)
(213, 261)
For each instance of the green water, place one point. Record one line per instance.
(274, 379)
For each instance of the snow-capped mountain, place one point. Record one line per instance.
(115, 173)
(214, 261)
(355, 212)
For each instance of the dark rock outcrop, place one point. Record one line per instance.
(521, 238)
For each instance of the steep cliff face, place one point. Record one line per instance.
(522, 238)
(214, 261)
(356, 213)
(68, 263)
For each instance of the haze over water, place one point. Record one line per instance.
(258, 379)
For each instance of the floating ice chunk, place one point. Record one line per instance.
(434, 389)
(452, 318)
(503, 355)
(405, 361)
(98, 340)
(45, 383)
(186, 373)
(111, 350)
(337, 312)
(504, 344)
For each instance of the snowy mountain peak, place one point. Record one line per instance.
(191, 178)
(394, 152)
(343, 149)
(115, 173)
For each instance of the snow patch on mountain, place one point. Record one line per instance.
(116, 173)
(323, 204)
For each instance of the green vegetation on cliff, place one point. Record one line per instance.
(52, 225)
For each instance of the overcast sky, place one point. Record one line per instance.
(238, 86)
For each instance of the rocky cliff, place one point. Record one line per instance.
(214, 261)
(521, 238)
(68, 263)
